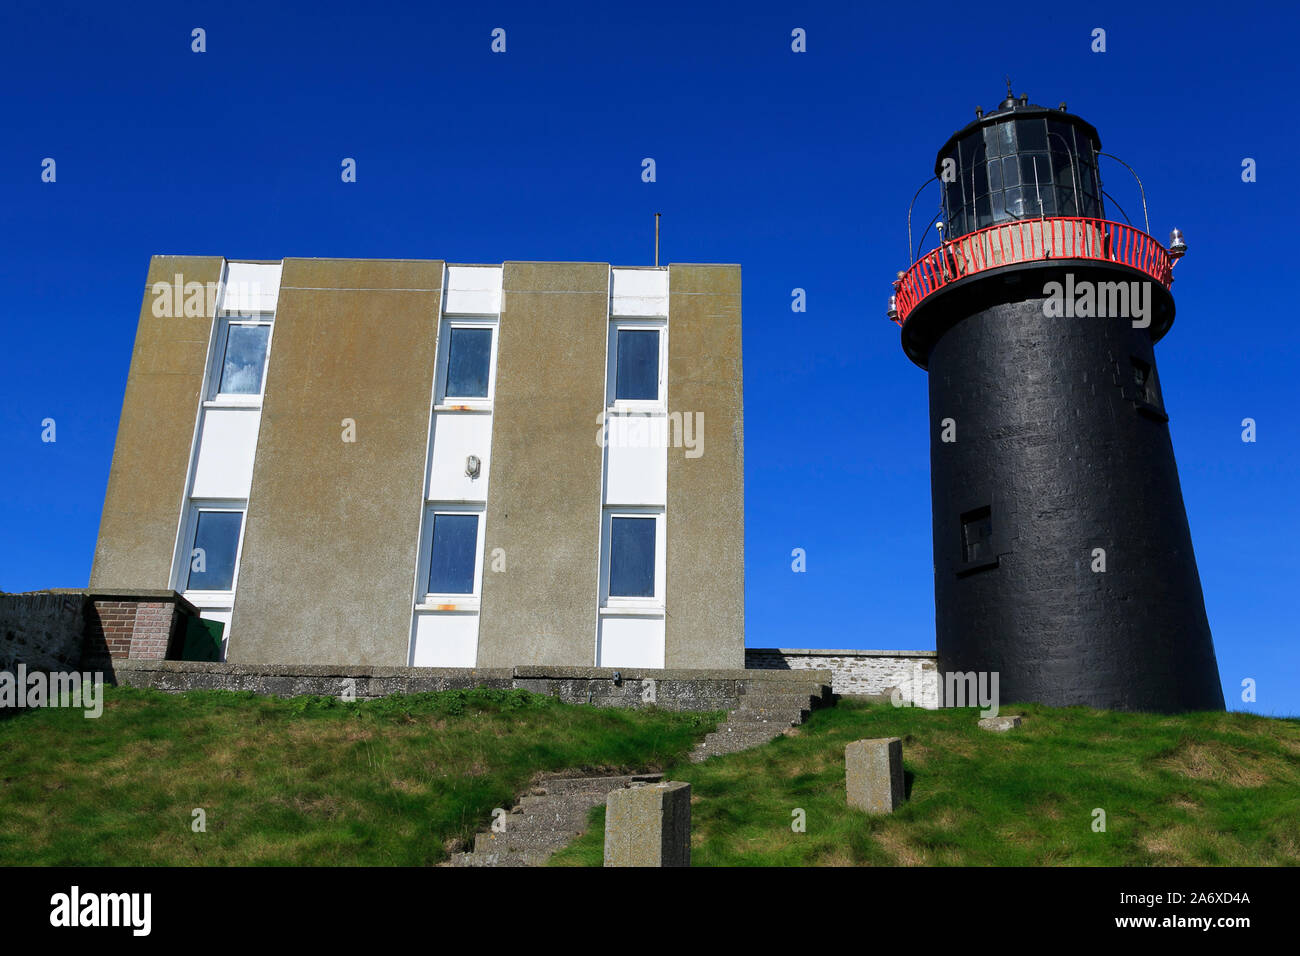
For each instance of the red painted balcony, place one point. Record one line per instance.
(1031, 240)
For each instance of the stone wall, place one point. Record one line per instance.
(41, 629)
(874, 673)
(67, 629)
(683, 690)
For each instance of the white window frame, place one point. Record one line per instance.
(215, 397)
(428, 600)
(615, 405)
(209, 598)
(612, 604)
(441, 401)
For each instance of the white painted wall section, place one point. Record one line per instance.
(227, 444)
(636, 464)
(456, 436)
(473, 290)
(630, 641)
(251, 287)
(445, 640)
(639, 292)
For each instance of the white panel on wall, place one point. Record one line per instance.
(445, 640)
(640, 292)
(456, 436)
(226, 447)
(473, 290)
(636, 468)
(630, 641)
(251, 287)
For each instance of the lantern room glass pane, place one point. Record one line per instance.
(999, 140)
(1031, 134)
(1011, 171)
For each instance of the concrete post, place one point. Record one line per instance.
(873, 772)
(649, 825)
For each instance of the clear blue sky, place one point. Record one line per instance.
(798, 166)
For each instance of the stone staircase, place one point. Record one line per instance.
(553, 813)
(548, 818)
(767, 710)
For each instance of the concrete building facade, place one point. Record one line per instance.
(410, 462)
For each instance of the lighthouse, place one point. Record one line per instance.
(1063, 559)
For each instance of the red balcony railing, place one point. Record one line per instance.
(1031, 240)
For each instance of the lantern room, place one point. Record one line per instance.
(1020, 161)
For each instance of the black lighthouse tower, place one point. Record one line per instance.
(1062, 555)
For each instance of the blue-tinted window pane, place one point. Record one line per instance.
(212, 562)
(241, 371)
(637, 373)
(632, 557)
(451, 560)
(469, 358)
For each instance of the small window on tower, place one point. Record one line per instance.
(1146, 385)
(977, 535)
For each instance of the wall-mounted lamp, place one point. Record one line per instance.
(472, 466)
(1177, 244)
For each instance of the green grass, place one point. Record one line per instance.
(1195, 789)
(310, 780)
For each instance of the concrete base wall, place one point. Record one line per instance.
(914, 673)
(683, 690)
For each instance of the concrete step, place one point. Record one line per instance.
(550, 816)
(772, 710)
(523, 858)
(735, 738)
(518, 841)
(546, 786)
(765, 711)
(570, 816)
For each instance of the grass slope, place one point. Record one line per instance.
(310, 780)
(1194, 789)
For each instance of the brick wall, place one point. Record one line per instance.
(914, 673)
(139, 627)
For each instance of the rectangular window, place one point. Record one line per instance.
(1142, 379)
(214, 550)
(632, 557)
(453, 553)
(243, 359)
(1147, 386)
(977, 535)
(636, 372)
(469, 362)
